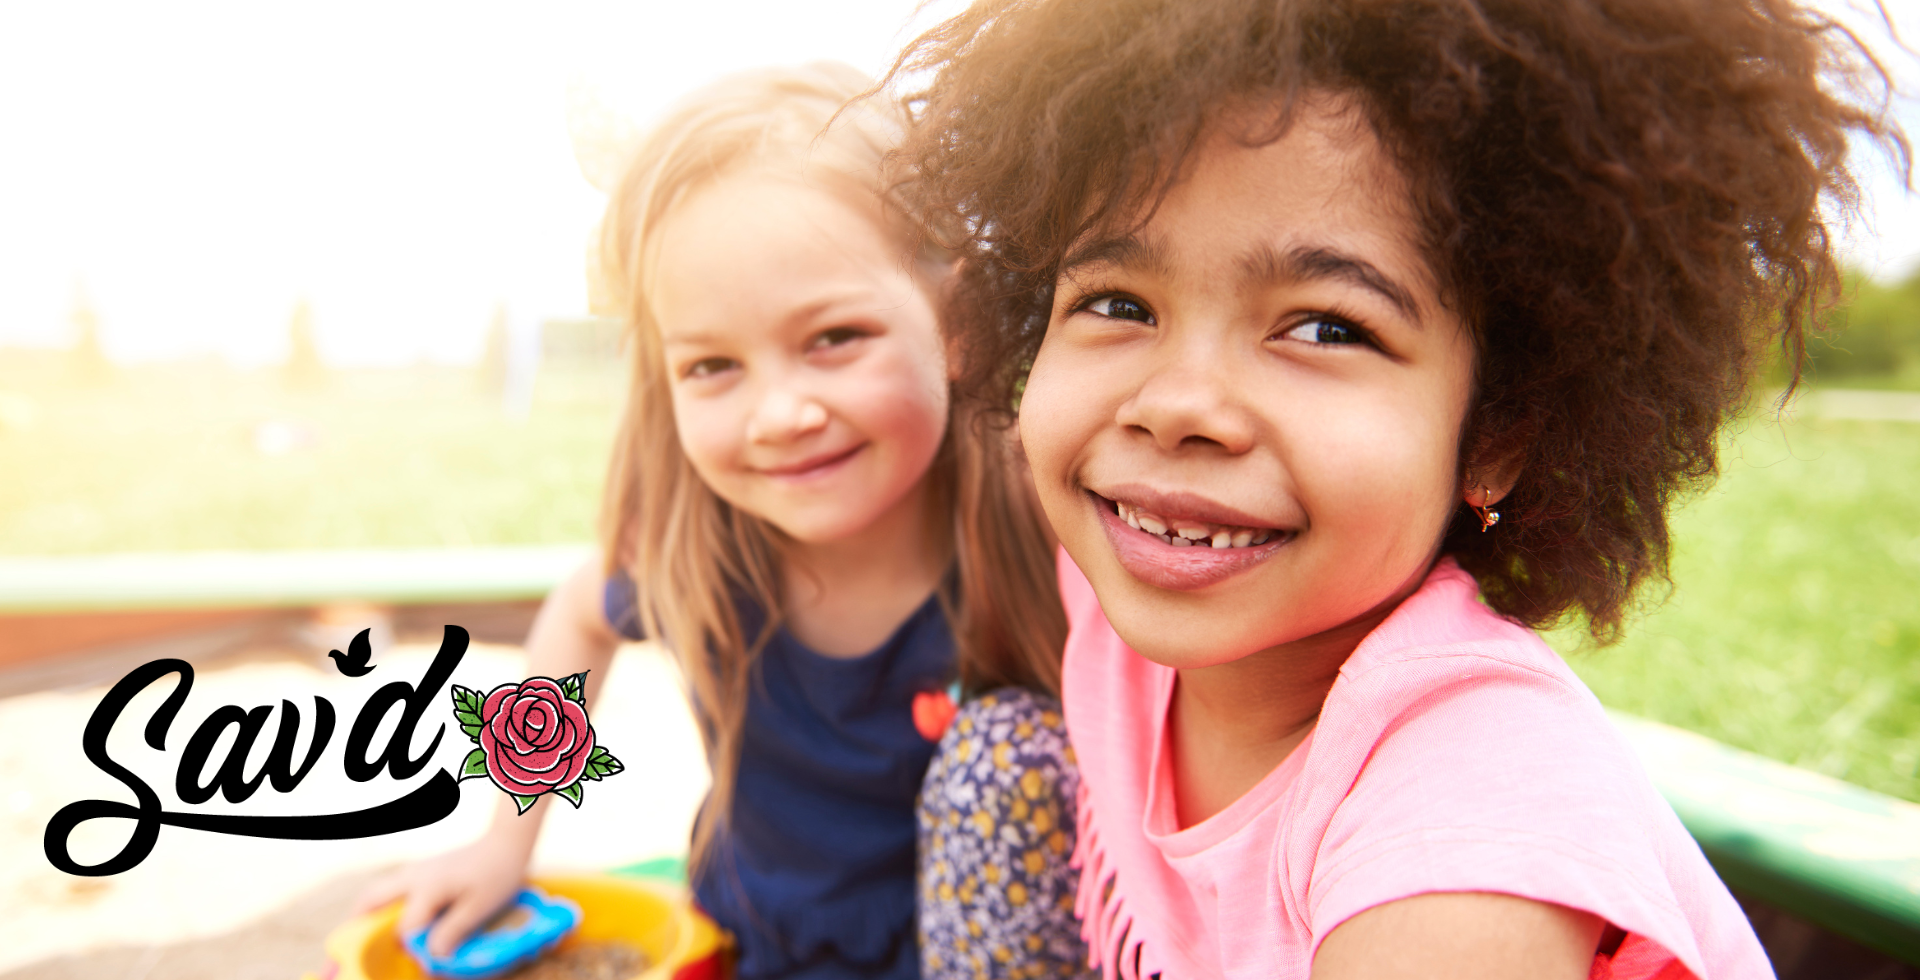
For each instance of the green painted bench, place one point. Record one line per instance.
(1841, 857)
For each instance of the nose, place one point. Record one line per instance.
(1190, 400)
(784, 415)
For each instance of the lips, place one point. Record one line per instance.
(812, 467)
(1169, 541)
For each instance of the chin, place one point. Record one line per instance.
(1186, 631)
(825, 528)
(1176, 655)
(1183, 634)
(814, 531)
(1189, 649)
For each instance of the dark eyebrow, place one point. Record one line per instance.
(1126, 252)
(1303, 263)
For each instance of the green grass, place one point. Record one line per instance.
(1793, 628)
(166, 459)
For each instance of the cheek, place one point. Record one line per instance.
(1404, 485)
(1057, 412)
(709, 435)
(1401, 481)
(900, 399)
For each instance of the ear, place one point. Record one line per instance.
(1485, 483)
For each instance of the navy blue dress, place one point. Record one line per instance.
(815, 875)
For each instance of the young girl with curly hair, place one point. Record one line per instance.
(1351, 341)
(797, 509)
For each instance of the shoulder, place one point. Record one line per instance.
(1444, 651)
(1457, 752)
(620, 604)
(1451, 697)
(1012, 739)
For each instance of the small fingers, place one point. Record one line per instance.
(424, 902)
(460, 919)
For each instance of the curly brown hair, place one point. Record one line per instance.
(1621, 198)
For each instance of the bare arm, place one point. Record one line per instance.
(1461, 936)
(570, 634)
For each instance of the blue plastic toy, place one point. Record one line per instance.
(529, 927)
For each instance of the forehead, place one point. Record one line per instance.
(1243, 198)
(757, 247)
(770, 213)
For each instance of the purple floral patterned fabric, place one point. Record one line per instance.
(996, 829)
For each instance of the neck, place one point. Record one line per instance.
(1231, 724)
(844, 597)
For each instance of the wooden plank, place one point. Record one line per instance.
(34, 636)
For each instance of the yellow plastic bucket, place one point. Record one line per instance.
(680, 942)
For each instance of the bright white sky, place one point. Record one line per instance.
(198, 167)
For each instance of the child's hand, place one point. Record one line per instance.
(463, 888)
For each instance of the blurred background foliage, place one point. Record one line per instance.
(1791, 628)
(194, 454)
(1874, 339)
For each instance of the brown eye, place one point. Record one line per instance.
(710, 366)
(1326, 332)
(1121, 308)
(837, 336)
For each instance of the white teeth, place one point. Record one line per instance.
(1187, 535)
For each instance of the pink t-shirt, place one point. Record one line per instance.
(1455, 752)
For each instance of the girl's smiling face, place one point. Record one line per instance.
(806, 366)
(1264, 369)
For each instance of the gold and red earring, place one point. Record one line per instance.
(1488, 516)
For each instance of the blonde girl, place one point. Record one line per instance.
(797, 512)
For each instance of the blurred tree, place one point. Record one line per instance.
(493, 360)
(1876, 332)
(305, 369)
(87, 362)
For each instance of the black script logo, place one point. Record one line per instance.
(533, 738)
(427, 804)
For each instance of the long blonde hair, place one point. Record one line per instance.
(693, 557)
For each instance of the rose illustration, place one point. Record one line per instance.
(534, 738)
